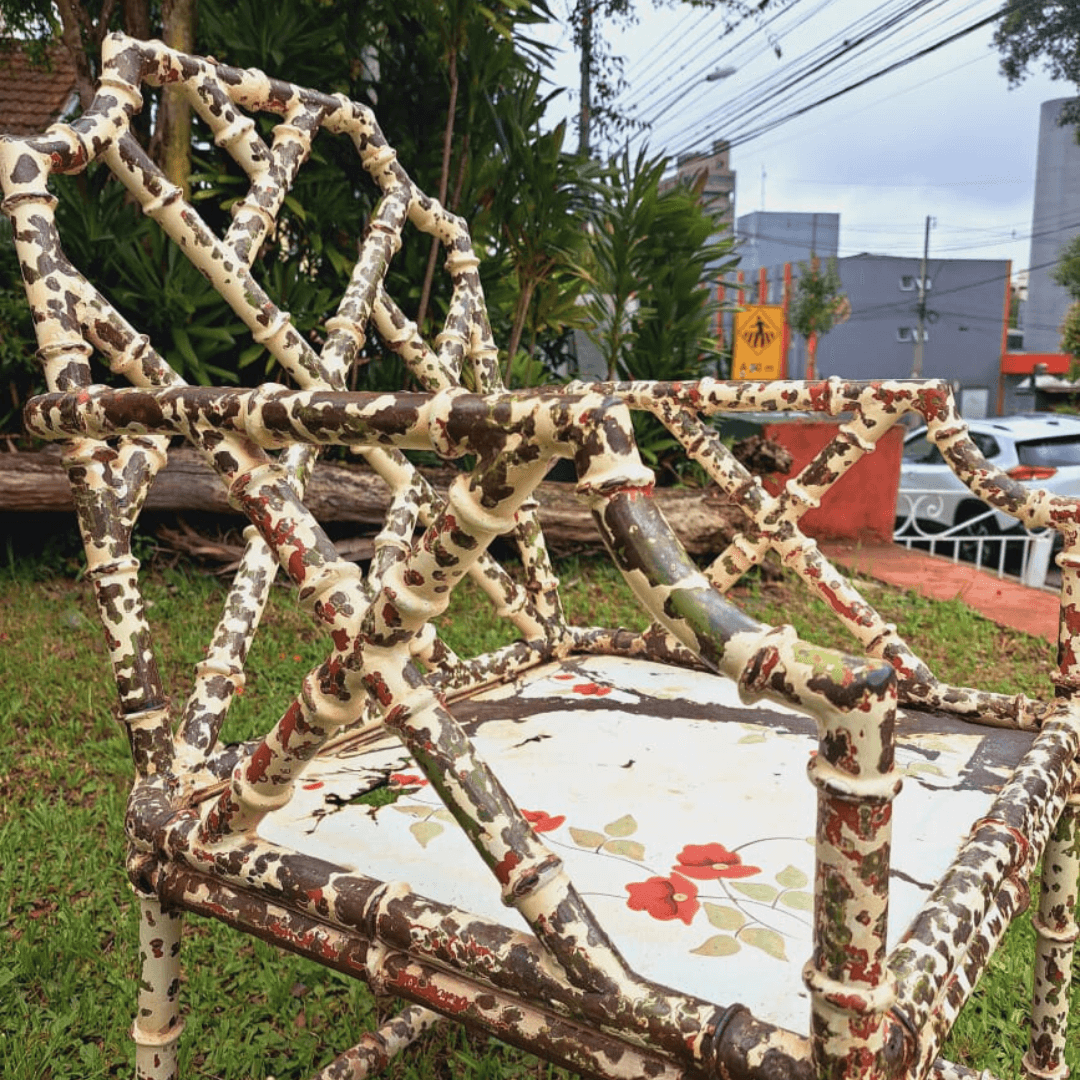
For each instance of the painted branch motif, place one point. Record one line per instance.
(199, 811)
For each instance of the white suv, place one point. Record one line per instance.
(1040, 449)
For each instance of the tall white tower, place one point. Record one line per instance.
(1054, 222)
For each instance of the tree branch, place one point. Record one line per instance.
(444, 182)
(73, 22)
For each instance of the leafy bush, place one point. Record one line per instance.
(19, 374)
(647, 270)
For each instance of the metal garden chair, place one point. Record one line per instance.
(602, 846)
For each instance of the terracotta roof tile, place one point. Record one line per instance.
(32, 97)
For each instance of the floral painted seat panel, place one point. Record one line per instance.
(684, 817)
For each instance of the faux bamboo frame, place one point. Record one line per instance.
(562, 990)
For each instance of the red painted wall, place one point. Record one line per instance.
(861, 505)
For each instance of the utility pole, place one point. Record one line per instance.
(917, 366)
(586, 69)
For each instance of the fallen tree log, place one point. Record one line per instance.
(36, 482)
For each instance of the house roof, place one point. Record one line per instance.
(33, 96)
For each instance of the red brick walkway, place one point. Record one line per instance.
(1007, 603)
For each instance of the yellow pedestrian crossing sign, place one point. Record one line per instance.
(759, 343)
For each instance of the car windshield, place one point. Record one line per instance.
(922, 451)
(1055, 453)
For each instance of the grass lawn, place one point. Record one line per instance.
(68, 936)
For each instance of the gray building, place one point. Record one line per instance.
(771, 239)
(1055, 220)
(966, 304)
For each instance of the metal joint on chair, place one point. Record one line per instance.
(1033, 1070)
(1061, 937)
(10, 204)
(151, 715)
(882, 788)
(909, 1039)
(142, 868)
(377, 949)
(525, 881)
(1020, 839)
(853, 998)
(1066, 683)
(149, 1039)
(713, 1045)
(169, 195)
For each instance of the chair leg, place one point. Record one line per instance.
(374, 1051)
(1057, 931)
(157, 1024)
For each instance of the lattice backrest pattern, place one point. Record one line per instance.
(867, 410)
(69, 331)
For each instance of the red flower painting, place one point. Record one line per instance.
(542, 822)
(707, 862)
(667, 898)
(400, 779)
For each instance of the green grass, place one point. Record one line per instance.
(67, 919)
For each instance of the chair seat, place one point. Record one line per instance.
(684, 817)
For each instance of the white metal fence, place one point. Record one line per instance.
(979, 539)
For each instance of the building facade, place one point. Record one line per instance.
(719, 190)
(770, 239)
(1055, 221)
(34, 95)
(967, 304)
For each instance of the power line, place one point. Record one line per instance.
(766, 126)
(696, 80)
(1065, 227)
(661, 83)
(857, 35)
(658, 58)
(866, 33)
(923, 82)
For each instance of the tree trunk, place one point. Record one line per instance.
(136, 22)
(811, 356)
(77, 34)
(521, 312)
(172, 137)
(585, 112)
(137, 18)
(702, 519)
(444, 183)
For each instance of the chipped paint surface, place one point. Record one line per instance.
(534, 950)
(661, 747)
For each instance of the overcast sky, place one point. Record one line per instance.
(943, 135)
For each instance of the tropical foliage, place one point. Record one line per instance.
(648, 306)
(459, 89)
(1030, 32)
(1067, 275)
(650, 256)
(817, 305)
